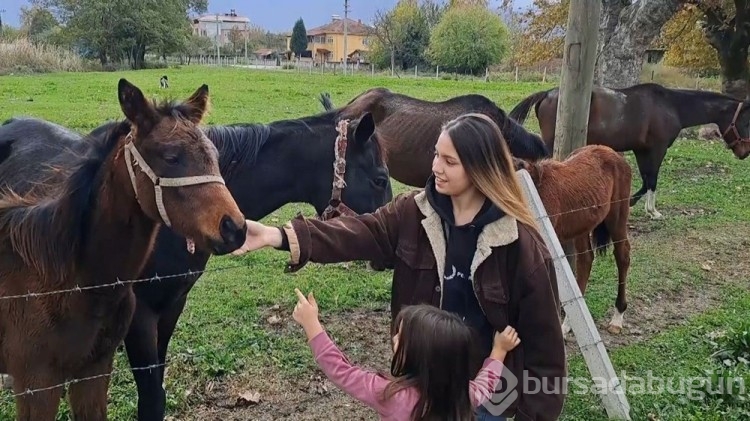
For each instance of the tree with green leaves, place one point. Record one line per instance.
(298, 43)
(114, 30)
(468, 39)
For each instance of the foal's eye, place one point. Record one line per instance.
(170, 158)
(381, 182)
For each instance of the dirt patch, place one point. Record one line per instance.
(721, 255)
(363, 335)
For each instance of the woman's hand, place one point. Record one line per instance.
(259, 236)
(504, 342)
(306, 314)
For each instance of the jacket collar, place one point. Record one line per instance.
(495, 234)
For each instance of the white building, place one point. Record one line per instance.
(208, 25)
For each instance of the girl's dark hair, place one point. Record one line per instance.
(437, 354)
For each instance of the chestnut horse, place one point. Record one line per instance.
(409, 127)
(587, 193)
(66, 244)
(646, 119)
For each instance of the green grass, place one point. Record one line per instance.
(222, 334)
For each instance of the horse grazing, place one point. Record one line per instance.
(646, 119)
(67, 241)
(265, 167)
(588, 193)
(409, 128)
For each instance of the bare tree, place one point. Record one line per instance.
(384, 30)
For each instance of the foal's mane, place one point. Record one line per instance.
(240, 144)
(48, 227)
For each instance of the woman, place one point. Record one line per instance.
(472, 226)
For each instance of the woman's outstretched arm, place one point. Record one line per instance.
(372, 236)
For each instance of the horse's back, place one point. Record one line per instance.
(31, 149)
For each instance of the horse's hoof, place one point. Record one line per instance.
(655, 214)
(614, 329)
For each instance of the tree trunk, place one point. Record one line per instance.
(626, 31)
(734, 72)
(731, 44)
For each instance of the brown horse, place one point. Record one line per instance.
(588, 193)
(409, 127)
(646, 119)
(65, 245)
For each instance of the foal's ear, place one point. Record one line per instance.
(365, 128)
(134, 105)
(198, 104)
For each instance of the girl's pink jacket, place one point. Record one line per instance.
(366, 386)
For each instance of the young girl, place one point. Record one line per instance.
(431, 365)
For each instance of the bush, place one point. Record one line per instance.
(23, 56)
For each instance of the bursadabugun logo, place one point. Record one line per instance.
(505, 394)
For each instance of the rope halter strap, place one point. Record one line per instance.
(335, 206)
(733, 126)
(132, 152)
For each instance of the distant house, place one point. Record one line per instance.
(210, 25)
(654, 55)
(325, 44)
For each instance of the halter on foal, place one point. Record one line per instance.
(335, 206)
(733, 126)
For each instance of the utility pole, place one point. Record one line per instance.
(216, 38)
(579, 59)
(346, 27)
(1, 19)
(571, 128)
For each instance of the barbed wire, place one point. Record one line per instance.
(173, 357)
(156, 278)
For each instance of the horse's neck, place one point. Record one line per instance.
(120, 234)
(287, 170)
(696, 109)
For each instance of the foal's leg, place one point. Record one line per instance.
(584, 256)
(167, 323)
(88, 398)
(619, 231)
(141, 347)
(41, 405)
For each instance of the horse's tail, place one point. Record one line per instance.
(325, 100)
(601, 239)
(521, 110)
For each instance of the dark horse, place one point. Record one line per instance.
(646, 119)
(265, 167)
(71, 232)
(409, 128)
(587, 194)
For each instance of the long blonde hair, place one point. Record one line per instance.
(484, 154)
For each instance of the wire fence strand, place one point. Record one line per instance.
(122, 283)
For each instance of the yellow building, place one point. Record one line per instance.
(326, 43)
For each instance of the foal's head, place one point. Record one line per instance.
(174, 172)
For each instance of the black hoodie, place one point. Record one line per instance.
(461, 244)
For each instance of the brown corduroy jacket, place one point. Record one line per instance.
(512, 273)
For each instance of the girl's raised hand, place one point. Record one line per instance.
(504, 342)
(306, 314)
(508, 339)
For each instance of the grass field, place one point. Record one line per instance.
(688, 287)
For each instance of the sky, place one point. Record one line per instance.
(273, 15)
